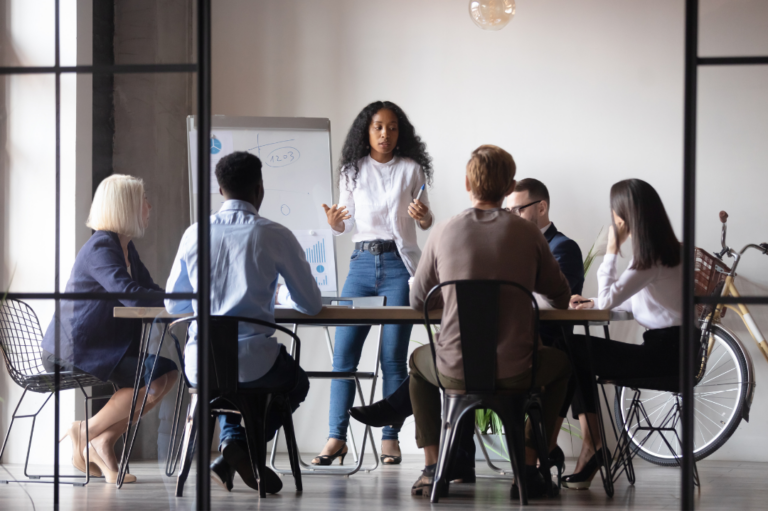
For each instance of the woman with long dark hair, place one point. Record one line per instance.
(384, 171)
(651, 288)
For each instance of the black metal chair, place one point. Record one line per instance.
(479, 308)
(226, 397)
(620, 461)
(20, 341)
(645, 427)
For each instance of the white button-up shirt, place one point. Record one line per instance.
(248, 253)
(378, 204)
(653, 296)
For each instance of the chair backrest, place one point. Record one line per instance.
(479, 308)
(20, 340)
(356, 301)
(223, 360)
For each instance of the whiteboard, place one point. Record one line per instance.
(297, 169)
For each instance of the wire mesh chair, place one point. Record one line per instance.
(20, 341)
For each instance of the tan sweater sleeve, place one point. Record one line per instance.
(426, 274)
(550, 280)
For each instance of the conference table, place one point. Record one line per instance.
(333, 315)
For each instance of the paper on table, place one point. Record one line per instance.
(318, 249)
(221, 145)
(542, 302)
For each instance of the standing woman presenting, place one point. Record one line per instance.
(384, 172)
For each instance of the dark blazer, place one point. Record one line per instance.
(91, 338)
(568, 255)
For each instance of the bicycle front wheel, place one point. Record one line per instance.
(719, 403)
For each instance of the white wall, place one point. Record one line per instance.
(28, 191)
(583, 94)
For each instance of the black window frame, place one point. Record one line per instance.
(203, 70)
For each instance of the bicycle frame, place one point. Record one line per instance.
(729, 289)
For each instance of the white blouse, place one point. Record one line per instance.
(653, 296)
(378, 204)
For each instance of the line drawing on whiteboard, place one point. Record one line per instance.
(259, 146)
(285, 209)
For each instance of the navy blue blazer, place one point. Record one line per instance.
(92, 339)
(568, 255)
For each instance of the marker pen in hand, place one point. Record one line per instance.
(583, 301)
(421, 190)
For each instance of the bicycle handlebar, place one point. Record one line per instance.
(762, 247)
(723, 220)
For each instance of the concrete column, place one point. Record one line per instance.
(150, 142)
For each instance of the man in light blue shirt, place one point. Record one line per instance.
(248, 253)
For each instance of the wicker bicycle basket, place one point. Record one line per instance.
(709, 272)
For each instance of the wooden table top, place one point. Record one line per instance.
(338, 315)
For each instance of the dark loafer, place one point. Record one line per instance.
(535, 484)
(222, 473)
(236, 455)
(377, 415)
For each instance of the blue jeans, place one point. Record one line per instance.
(283, 372)
(370, 275)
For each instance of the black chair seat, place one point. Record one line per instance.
(522, 394)
(226, 395)
(44, 382)
(665, 384)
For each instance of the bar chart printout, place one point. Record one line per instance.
(318, 249)
(316, 253)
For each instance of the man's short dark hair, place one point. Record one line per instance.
(238, 172)
(535, 188)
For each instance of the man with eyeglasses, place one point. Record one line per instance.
(530, 200)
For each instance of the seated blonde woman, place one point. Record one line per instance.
(92, 341)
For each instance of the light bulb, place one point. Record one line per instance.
(491, 14)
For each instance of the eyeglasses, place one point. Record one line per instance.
(518, 209)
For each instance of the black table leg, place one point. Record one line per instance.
(137, 384)
(605, 465)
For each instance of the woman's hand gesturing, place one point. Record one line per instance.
(336, 216)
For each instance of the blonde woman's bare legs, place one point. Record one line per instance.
(105, 427)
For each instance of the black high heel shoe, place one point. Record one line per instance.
(557, 459)
(326, 459)
(581, 480)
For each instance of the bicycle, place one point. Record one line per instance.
(725, 382)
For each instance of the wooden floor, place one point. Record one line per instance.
(725, 485)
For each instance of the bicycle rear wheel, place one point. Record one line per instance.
(719, 398)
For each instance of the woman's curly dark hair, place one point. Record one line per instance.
(357, 145)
